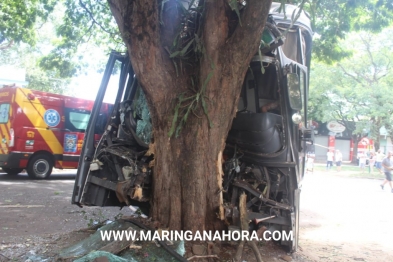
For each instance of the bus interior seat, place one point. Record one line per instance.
(251, 129)
(257, 132)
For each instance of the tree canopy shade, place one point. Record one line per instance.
(334, 19)
(91, 20)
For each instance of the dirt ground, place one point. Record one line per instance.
(345, 218)
(342, 219)
(36, 217)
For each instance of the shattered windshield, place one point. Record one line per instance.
(142, 114)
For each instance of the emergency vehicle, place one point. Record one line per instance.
(40, 130)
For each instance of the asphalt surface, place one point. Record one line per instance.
(34, 207)
(342, 218)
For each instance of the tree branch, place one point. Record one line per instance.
(93, 19)
(350, 75)
(7, 45)
(141, 31)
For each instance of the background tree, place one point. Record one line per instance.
(49, 65)
(333, 20)
(25, 48)
(355, 91)
(18, 20)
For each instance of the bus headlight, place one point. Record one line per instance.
(296, 118)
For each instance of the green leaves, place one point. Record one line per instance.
(188, 105)
(332, 20)
(182, 52)
(18, 19)
(356, 89)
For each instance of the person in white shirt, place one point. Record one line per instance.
(339, 158)
(362, 160)
(330, 156)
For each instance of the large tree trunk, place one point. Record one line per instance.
(187, 171)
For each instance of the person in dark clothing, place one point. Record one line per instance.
(387, 165)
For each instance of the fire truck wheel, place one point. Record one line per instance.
(39, 167)
(12, 171)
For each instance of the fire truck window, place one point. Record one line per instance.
(77, 120)
(4, 113)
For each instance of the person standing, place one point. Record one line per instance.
(330, 157)
(362, 160)
(387, 166)
(378, 160)
(339, 158)
(371, 162)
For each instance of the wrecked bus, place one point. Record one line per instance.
(265, 147)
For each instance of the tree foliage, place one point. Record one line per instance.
(19, 19)
(84, 22)
(91, 21)
(58, 51)
(23, 56)
(332, 20)
(356, 90)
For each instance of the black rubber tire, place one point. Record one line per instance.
(40, 167)
(12, 171)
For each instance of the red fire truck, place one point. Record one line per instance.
(40, 130)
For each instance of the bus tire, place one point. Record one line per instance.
(12, 171)
(40, 166)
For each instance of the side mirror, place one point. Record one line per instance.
(295, 95)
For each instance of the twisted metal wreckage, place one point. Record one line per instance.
(267, 147)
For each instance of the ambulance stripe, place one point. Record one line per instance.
(4, 132)
(48, 135)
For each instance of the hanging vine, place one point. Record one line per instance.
(186, 51)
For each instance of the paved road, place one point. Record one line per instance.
(34, 207)
(56, 175)
(346, 219)
(342, 218)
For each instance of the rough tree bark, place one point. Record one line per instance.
(356, 140)
(187, 171)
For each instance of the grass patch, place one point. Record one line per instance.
(351, 171)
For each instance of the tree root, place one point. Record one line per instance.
(239, 251)
(207, 256)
